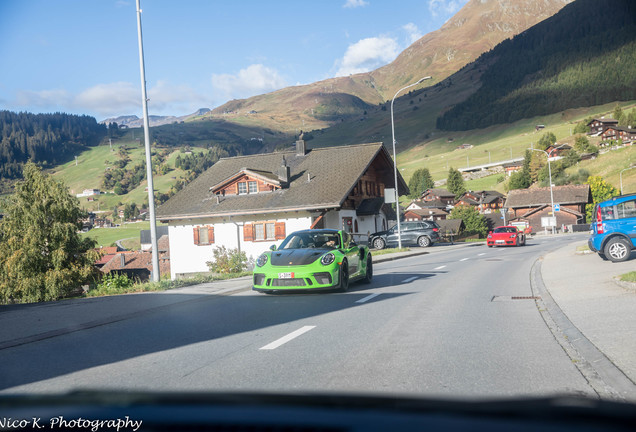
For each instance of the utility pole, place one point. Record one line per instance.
(151, 191)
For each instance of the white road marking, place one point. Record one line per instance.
(367, 298)
(483, 253)
(411, 279)
(463, 259)
(439, 268)
(287, 338)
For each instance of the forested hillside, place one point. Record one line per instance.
(585, 55)
(46, 139)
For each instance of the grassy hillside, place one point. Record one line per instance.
(93, 163)
(574, 58)
(499, 142)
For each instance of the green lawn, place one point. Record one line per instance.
(108, 236)
(90, 168)
(498, 143)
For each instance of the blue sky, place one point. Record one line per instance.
(81, 56)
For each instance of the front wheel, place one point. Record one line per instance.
(617, 249)
(424, 241)
(368, 276)
(344, 276)
(379, 243)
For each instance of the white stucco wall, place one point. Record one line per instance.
(187, 257)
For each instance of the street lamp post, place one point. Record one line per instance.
(550, 179)
(397, 195)
(621, 176)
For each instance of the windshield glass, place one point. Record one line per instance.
(505, 230)
(304, 240)
(233, 227)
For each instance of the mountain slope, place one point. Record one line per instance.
(154, 120)
(584, 55)
(477, 27)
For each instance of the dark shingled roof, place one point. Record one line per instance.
(320, 179)
(570, 194)
(370, 206)
(450, 226)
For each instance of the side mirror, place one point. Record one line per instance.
(272, 248)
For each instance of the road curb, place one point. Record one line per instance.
(605, 378)
(624, 284)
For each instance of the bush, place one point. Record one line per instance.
(228, 261)
(114, 283)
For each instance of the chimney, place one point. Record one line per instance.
(123, 260)
(301, 147)
(283, 172)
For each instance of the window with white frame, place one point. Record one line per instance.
(252, 187)
(242, 188)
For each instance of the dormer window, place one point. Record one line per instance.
(242, 188)
(248, 181)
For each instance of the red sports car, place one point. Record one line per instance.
(506, 236)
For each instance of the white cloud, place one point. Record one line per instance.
(109, 99)
(254, 79)
(113, 99)
(445, 6)
(43, 99)
(413, 32)
(354, 4)
(367, 54)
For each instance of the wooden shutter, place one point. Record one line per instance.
(279, 230)
(248, 232)
(196, 235)
(210, 234)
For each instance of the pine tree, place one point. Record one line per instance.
(474, 222)
(41, 255)
(455, 182)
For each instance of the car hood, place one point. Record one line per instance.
(289, 257)
(379, 234)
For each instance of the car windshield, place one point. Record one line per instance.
(505, 230)
(243, 237)
(314, 240)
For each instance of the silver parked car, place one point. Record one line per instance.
(423, 233)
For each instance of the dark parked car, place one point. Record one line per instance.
(423, 234)
(614, 228)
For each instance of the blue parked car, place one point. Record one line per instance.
(613, 228)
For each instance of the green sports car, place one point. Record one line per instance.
(313, 259)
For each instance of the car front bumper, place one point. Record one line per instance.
(296, 278)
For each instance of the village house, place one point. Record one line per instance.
(556, 152)
(88, 192)
(597, 126)
(136, 264)
(252, 202)
(512, 167)
(626, 134)
(486, 200)
(432, 214)
(425, 205)
(532, 205)
(438, 194)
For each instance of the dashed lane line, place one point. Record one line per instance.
(287, 338)
(367, 298)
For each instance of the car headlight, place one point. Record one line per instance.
(513, 235)
(261, 260)
(327, 259)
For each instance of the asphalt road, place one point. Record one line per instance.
(452, 323)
